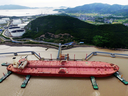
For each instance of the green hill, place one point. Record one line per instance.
(98, 8)
(57, 25)
(9, 7)
(63, 29)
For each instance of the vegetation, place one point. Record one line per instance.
(125, 21)
(3, 7)
(55, 25)
(109, 35)
(98, 8)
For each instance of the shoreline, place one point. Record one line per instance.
(44, 45)
(55, 47)
(31, 45)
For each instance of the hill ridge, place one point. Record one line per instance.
(97, 8)
(47, 27)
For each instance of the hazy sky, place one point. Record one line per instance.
(58, 3)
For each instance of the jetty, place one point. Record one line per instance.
(94, 84)
(117, 75)
(5, 76)
(25, 82)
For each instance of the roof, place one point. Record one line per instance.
(70, 43)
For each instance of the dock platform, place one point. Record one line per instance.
(117, 75)
(5, 76)
(25, 81)
(5, 64)
(94, 84)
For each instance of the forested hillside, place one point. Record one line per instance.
(98, 8)
(65, 28)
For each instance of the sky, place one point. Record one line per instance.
(58, 3)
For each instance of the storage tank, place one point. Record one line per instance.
(17, 33)
(13, 28)
(16, 21)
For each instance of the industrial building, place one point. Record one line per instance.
(6, 19)
(2, 21)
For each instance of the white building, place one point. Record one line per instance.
(23, 24)
(126, 24)
(2, 21)
(7, 19)
(25, 19)
(16, 21)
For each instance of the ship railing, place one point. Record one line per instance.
(54, 59)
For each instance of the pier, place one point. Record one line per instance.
(25, 81)
(5, 64)
(117, 75)
(5, 76)
(94, 84)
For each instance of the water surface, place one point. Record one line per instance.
(52, 86)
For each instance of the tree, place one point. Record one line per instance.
(100, 40)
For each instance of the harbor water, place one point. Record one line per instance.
(53, 86)
(27, 12)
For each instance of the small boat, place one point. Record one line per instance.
(63, 68)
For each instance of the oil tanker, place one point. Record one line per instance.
(63, 68)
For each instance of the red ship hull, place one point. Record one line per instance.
(66, 68)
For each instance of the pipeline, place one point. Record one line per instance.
(89, 56)
(16, 53)
(59, 51)
(113, 55)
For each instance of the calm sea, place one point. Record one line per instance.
(53, 86)
(27, 12)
